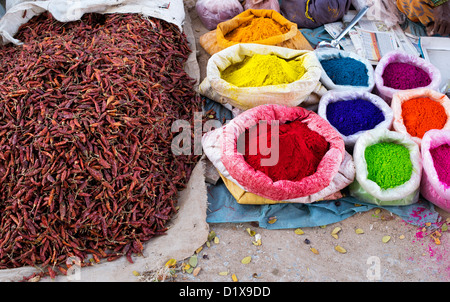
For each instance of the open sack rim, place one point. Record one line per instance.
(398, 56)
(251, 14)
(259, 183)
(338, 53)
(402, 96)
(333, 96)
(224, 88)
(385, 135)
(428, 142)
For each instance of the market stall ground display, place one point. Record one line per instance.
(86, 164)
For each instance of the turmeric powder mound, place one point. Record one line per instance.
(257, 29)
(262, 70)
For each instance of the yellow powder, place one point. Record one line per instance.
(262, 70)
(257, 29)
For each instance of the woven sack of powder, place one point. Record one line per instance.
(398, 56)
(336, 96)
(212, 12)
(216, 39)
(341, 180)
(402, 96)
(324, 54)
(306, 91)
(220, 146)
(431, 187)
(369, 191)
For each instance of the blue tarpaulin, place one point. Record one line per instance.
(223, 207)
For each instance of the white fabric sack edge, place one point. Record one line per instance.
(72, 10)
(211, 142)
(384, 135)
(402, 57)
(400, 97)
(434, 138)
(328, 54)
(307, 90)
(334, 96)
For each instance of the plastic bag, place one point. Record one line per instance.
(305, 91)
(213, 12)
(262, 4)
(335, 96)
(381, 10)
(367, 190)
(314, 13)
(431, 187)
(221, 148)
(215, 41)
(332, 53)
(402, 57)
(400, 97)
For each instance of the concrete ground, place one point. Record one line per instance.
(411, 254)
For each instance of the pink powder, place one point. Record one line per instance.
(441, 160)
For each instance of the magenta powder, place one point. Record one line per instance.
(441, 161)
(404, 76)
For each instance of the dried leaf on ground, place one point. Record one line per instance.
(234, 278)
(340, 249)
(299, 231)
(193, 260)
(246, 260)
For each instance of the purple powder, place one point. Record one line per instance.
(351, 116)
(405, 76)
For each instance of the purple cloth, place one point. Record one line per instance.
(320, 11)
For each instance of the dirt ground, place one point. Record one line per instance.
(410, 255)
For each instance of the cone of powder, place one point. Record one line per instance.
(417, 111)
(381, 190)
(398, 70)
(342, 70)
(435, 183)
(353, 112)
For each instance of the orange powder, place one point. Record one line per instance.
(259, 28)
(422, 114)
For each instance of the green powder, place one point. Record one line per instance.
(388, 164)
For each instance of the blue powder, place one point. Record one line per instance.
(351, 116)
(346, 71)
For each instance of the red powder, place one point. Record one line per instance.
(422, 114)
(300, 151)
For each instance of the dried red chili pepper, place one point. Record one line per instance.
(86, 112)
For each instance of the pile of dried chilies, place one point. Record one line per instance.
(86, 111)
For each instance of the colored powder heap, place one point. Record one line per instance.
(388, 164)
(300, 151)
(346, 71)
(441, 161)
(422, 114)
(262, 70)
(258, 28)
(351, 116)
(404, 76)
